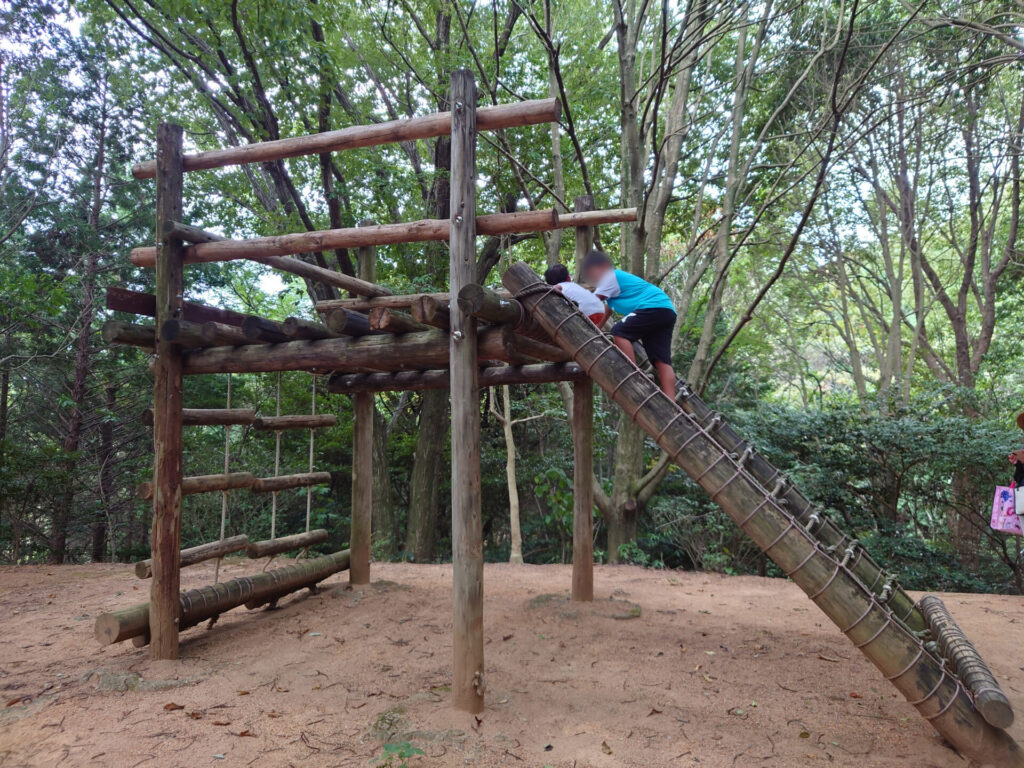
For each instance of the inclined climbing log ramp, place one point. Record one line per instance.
(854, 592)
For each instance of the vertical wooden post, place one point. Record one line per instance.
(362, 455)
(583, 491)
(467, 530)
(583, 451)
(584, 235)
(167, 402)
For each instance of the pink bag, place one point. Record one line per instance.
(1004, 515)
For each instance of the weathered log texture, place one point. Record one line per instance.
(284, 482)
(429, 311)
(139, 303)
(199, 335)
(199, 554)
(287, 543)
(394, 321)
(165, 537)
(467, 527)
(205, 417)
(298, 421)
(380, 352)
(538, 349)
(402, 301)
(407, 129)
(197, 605)
(260, 329)
(273, 251)
(299, 328)
(487, 305)
(205, 484)
(129, 334)
(824, 574)
(189, 233)
(953, 644)
(348, 323)
(583, 491)
(489, 376)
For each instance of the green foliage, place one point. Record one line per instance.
(397, 755)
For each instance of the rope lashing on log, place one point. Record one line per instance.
(953, 644)
(197, 605)
(431, 126)
(884, 636)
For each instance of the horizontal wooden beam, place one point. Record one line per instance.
(394, 321)
(430, 311)
(257, 329)
(199, 554)
(277, 423)
(391, 302)
(197, 335)
(286, 543)
(284, 482)
(378, 352)
(208, 417)
(300, 328)
(189, 233)
(348, 323)
(140, 303)
(205, 484)
(128, 334)
(490, 376)
(263, 249)
(407, 129)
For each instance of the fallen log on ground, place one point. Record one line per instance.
(198, 605)
(198, 554)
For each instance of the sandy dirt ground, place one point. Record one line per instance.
(663, 669)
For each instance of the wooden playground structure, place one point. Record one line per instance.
(469, 338)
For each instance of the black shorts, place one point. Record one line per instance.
(652, 328)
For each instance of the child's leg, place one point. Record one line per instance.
(667, 379)
(626, 346)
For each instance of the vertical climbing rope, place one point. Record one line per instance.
(224, 494)
(312, 431)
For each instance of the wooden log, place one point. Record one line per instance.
(429, 311)
(862, 615)
(189, 233)
(205, 417)
(584, 234)
(165, 539)
(298, 421)
(284, 482)
(364, 304)
(989, 698)
(139, 303)
(204, 484)
(583, 491)
(394, 131)
(299, 328)
(128, 334)
(487, 305)
(382, 352)
(199, 554)
(539, 350)
(281, 544)
(578, 219)
(273, 250)
(467, 528)
(393, 321)
(488, 376)
(260, 329)
(199, 335)
(348, 323)
(197, 605)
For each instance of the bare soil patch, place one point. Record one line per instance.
(663, 669)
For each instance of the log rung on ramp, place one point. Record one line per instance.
(825, 574)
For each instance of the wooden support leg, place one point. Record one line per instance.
(467, 533)
(362, 488)
(583, 491)
(167, 403)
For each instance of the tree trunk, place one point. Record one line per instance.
(419, 540)
(516, 550)
(385, 535)
(99, 525)
(629, 455)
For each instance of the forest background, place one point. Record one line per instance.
(829, 191)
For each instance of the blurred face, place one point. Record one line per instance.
(595, 273)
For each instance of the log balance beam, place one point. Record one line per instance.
(273, 251)
(888, 637)
(198, 605)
